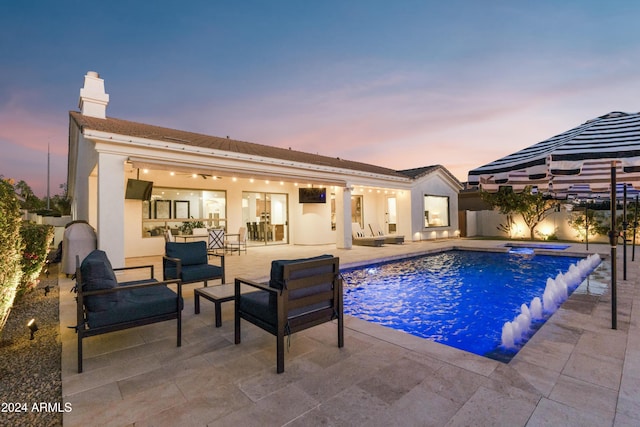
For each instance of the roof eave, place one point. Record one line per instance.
(184, 149)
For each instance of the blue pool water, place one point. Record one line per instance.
(457, 298)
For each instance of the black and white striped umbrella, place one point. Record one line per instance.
(582, 155)
(592, 154)
(584, 192)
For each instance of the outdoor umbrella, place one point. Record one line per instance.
(592, 153)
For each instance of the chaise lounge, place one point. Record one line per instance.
(104, 305)
(360, 238)
(394, 239)
(301, 294)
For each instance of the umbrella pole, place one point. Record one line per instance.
(635, 227)
(624, 233)
(586, 224)
(613, 241)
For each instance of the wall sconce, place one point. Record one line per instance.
(33, 327)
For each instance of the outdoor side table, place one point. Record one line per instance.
(217, 295)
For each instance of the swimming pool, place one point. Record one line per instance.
(459, 298)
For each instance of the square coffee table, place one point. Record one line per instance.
(217, 295)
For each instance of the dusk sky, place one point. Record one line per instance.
(400, 84)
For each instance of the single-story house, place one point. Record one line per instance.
(131, 181)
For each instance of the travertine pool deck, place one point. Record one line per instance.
(575, 371)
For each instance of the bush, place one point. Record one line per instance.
(10, 248)
(37, 239)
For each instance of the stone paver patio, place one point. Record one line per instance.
(575, 371)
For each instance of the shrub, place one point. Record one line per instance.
(10, 248)
(596, 220)
(36, 238)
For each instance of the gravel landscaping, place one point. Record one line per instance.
(30, 372)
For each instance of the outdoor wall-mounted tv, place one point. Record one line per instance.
(312, 195)
(138, 189)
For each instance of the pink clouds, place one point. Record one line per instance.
(24, 137)
(399, 119)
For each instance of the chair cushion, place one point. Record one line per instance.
(97, 274)
(190, 253)
(262, 305)
(277, 269)
(259, 305)
(196, 273)
(136, 304)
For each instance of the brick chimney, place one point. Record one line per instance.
(93, 99)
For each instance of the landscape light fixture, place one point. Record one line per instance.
(47, 289)
(33, 327)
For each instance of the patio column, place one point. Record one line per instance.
(343, 217)
(111, 214)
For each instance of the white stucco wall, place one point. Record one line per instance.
(472, 223)
(435, 184)
(487, 224)
(308, 224)
(87, 159)
(343, 218)
(111, 210)
(311, 222)
(134, 244)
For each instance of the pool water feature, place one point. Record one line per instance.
(556, 292)
(459, 298)
(528, 248)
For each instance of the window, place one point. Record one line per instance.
(436, 211)
(176, 208)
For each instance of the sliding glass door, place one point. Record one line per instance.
(266, 217)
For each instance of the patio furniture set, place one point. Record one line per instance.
(216, 239)
(300, 294)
